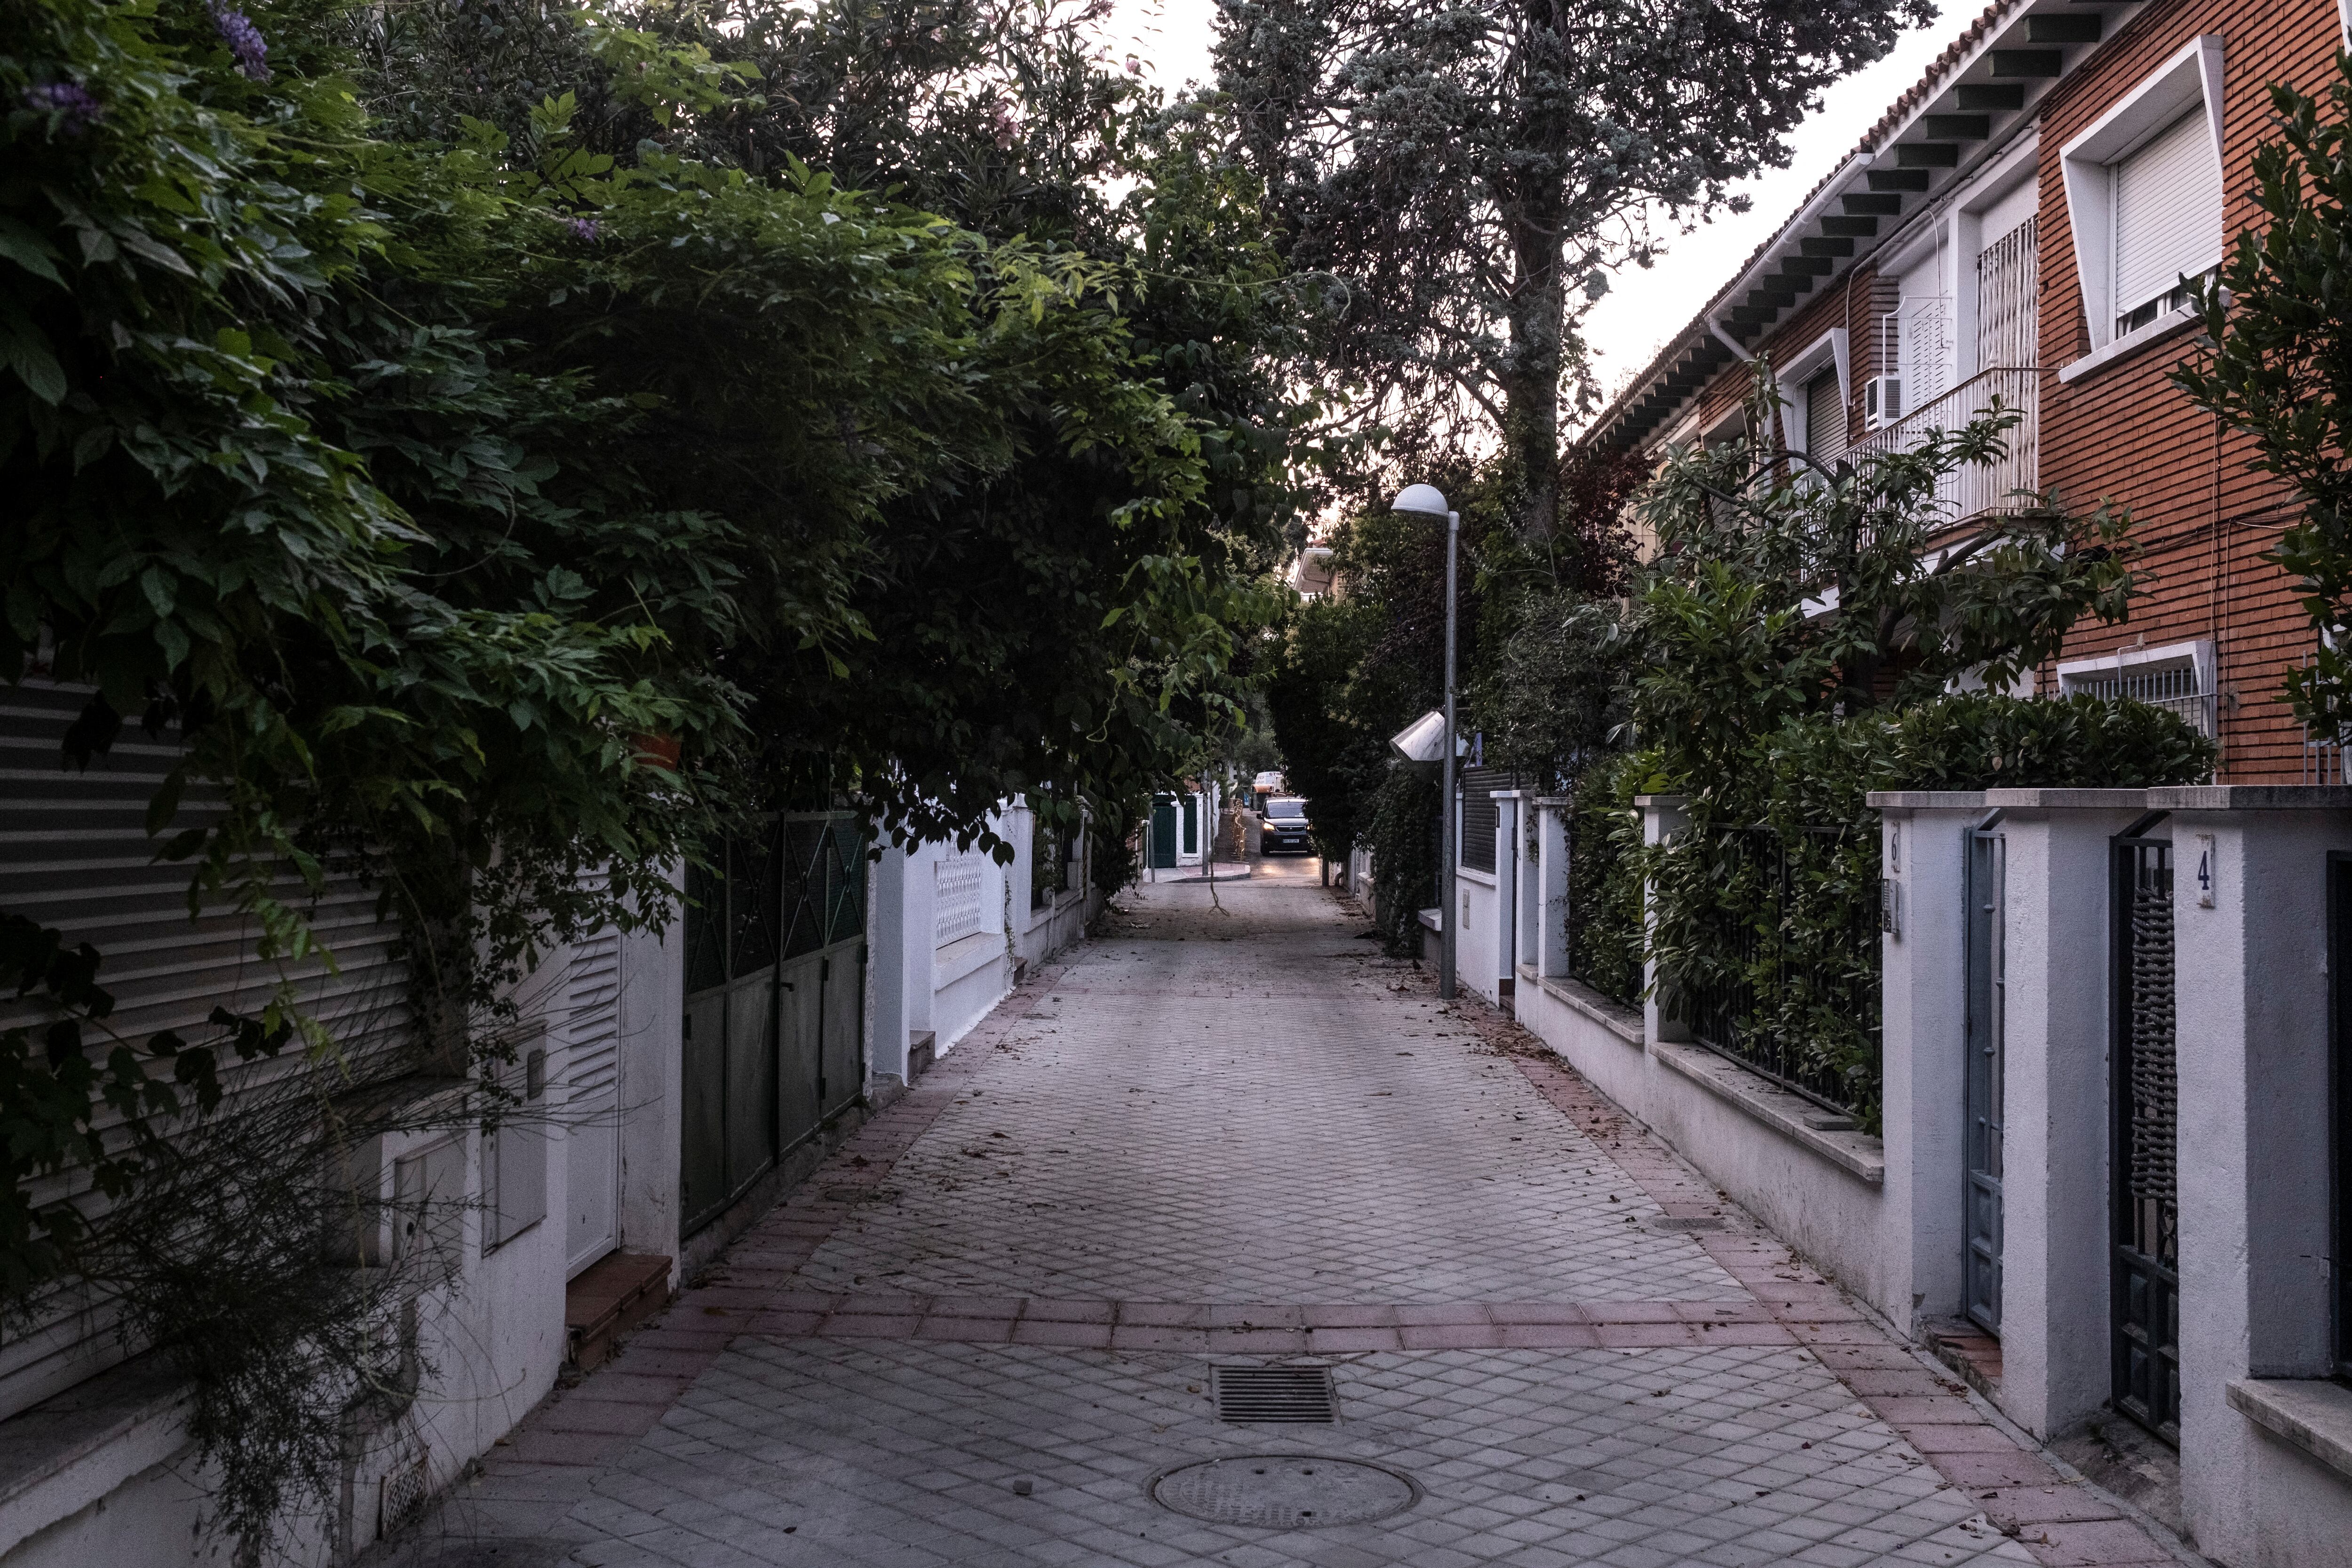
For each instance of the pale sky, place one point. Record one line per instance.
(1643, 307)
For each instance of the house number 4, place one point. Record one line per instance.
(2204, 870)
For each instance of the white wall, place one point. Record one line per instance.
(1821, 1190)
(2251, 989)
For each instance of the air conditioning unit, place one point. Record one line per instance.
(1881, 401)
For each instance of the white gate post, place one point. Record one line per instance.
(1922, 942)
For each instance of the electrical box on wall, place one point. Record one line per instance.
(1881, 401)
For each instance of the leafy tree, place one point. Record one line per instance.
(1802, 633)
(1782, 588)
(1464, 178)
(492, 515)
(2278, 365)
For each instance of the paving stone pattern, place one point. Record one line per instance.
(979, 1334)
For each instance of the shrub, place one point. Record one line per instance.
(1767, 907)
(1605, 879)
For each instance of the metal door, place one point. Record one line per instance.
(823, 1047)
(2144, 1279)
(728, 1075)
(1987, 1072)
(1161, 854)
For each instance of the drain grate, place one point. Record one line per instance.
(1301, 1394)
(1284, 1492)
(1686, 1222)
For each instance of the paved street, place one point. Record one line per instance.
(1234, 1136)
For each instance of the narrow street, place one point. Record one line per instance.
(1237, 1136)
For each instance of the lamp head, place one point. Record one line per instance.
(1427, 500)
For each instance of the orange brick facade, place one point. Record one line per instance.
(2201, 523)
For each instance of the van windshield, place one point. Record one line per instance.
(1286, 808)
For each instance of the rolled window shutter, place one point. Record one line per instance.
(2167, 212)
(1824, 416)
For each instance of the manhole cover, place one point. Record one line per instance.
(1284, 1492)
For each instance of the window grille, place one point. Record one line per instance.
(2172, 687)
(2009, 299)
(956, 909)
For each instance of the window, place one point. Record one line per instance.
(2144, 195)
(2009, 298)
(514, 1156)
(1049, 862)
(1824, 416)
(2179, 677)
(1814, 386)
(428, 1214)
(2167, 212)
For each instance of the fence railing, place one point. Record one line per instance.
(1764, 1027)
(1978, 489)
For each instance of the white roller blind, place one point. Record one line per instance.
(1824, 416)
(2167, 212)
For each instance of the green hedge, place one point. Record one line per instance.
(1605, 879)
(1795, 948)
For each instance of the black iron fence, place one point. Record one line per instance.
(1788, 981)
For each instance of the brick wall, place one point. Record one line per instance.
(2202, 521)
(2125, 435)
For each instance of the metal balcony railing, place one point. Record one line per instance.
(2007, 484)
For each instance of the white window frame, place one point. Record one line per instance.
(2197, 654)
(2190, 79)
(1831, 346)
(2018, 165)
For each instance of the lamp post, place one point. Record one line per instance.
(1428, 500)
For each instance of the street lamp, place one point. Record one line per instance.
(1428, 500)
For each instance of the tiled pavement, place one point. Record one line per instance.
(981, 1329)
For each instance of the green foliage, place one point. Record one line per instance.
(1606, 938)
(1800, 637)
(1773, 898)
(1459, 181)
(2277, 366)
(1754, 543)
(1401, 827)
(493, 467)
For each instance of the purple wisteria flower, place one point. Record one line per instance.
(586, 228)
(76, 108)
(243, 38)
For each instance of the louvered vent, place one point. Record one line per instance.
(1297, 1394)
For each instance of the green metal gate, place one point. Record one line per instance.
(775, 997)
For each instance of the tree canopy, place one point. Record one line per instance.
(1464, 179)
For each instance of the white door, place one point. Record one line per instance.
(590, 1026)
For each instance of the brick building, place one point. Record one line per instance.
(2016, 225)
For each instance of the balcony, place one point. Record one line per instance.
(2010, 483)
